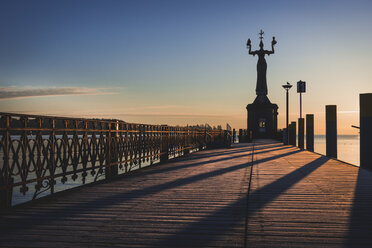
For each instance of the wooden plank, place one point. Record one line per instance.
(296, 199)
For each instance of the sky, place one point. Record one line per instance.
(182, 62)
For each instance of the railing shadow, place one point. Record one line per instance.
(236, 148)
(34, 219)
(177, 167)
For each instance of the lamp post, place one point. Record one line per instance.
(287, 87)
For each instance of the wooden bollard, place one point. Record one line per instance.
(285, 136)
(310, 132)
(292, 133)
(301, 133)
(331, 131)
(365, 121)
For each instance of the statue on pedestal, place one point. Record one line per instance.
(261, 86)
(262, 114)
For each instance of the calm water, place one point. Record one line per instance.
(347, 147)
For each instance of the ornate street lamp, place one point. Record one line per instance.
(287, 88)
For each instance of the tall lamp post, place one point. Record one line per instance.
(287, 87)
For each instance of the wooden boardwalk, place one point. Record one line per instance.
(213, 198)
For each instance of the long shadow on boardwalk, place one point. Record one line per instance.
(33, 220)
(177, 167)
(360, 223)
(260, 198)
(196, 156)
(236, 150)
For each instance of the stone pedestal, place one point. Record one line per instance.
(262, 119)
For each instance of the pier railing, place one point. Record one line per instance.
(36, 152)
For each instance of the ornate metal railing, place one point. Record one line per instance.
(36, 152)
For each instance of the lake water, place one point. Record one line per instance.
(347, 147)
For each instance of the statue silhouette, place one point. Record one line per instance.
(261, 86)
(262, 120)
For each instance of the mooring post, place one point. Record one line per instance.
(301, 133)
(331, 131)
(365, 121)
(285, 136)
(310, 132)
(292, 133)
(233, 136)
(240, 135)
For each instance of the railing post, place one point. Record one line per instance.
(200, 137)
(126, 152)
(331, 131)
(112, 169)
(206, 144)
(164, 144)
(52, 164)
(186, 149)
(6, 182)
(365, 121)
(301, 131)
(140, 144)
(310, 132)
(85, 151)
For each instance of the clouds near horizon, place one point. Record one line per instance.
(14, 92)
